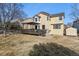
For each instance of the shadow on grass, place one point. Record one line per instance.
(51, 49)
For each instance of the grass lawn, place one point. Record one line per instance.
(21, 44)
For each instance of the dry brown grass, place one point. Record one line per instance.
(21, 44)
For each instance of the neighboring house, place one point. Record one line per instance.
(17, 22)
(52, 23)
(76, 25)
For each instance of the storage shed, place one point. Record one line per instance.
(71, 31)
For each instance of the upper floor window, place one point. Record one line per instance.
(36, 19)
(56, 26)
(60, 17)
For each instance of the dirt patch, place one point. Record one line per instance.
(21, 44)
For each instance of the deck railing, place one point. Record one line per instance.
(34, 32)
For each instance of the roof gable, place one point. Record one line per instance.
(52, 15)
(45, 13)
(55, 15)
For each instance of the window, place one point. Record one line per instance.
(43, 26)
(35, 19)
(56, 26)
(60, 17)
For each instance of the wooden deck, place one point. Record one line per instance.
(34, 32)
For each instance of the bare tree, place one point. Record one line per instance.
(75, 12)
(10, 11)
(70, 24)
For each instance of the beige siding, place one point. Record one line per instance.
(55, 20)
(57, 31)
(29, 26)
(43, 21)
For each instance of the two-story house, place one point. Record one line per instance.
(52, 23)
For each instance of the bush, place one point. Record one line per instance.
(51, 49)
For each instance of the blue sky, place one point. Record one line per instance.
(33, 8)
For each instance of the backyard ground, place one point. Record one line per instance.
(21, 44)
